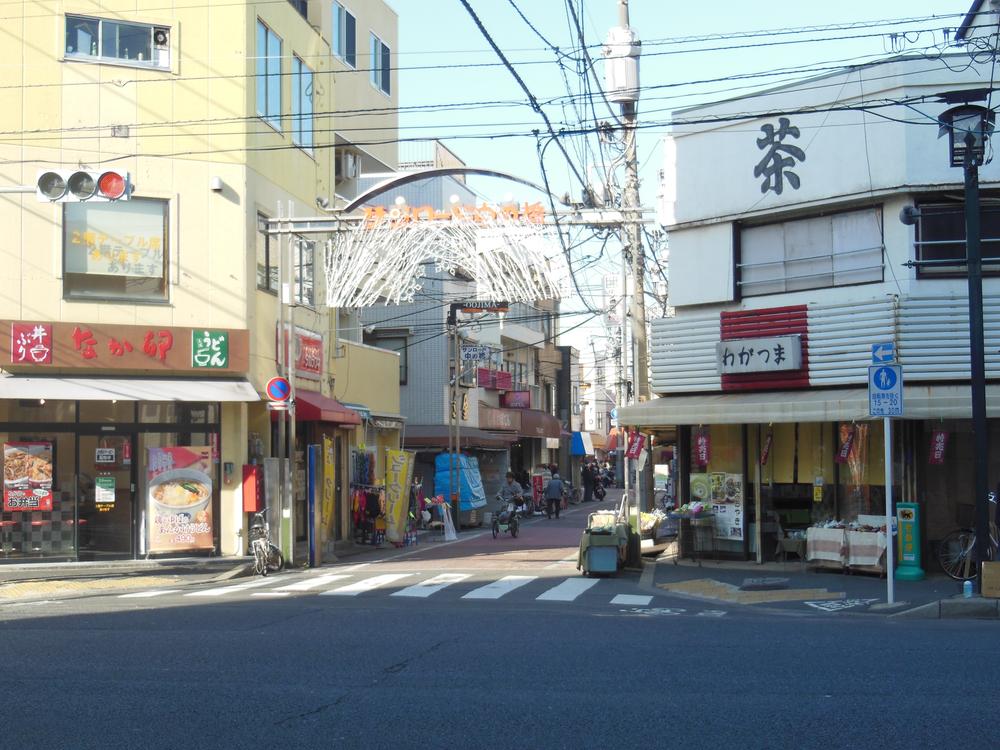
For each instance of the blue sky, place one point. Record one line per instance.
(691, 52)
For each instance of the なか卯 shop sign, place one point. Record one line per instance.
(34, 345)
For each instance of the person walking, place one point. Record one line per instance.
(553, 495)
(588, 475)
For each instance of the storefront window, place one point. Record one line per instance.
(115, 250)
(38, 517)
(37, 410)
(117, 412)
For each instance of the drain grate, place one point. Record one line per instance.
(764, 584)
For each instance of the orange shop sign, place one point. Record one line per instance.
(39, 345)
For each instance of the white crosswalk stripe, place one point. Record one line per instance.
(568, 590)
(313, 582)
(432, 585)
(223, 590)
(496, 589)
(369, 584)
(148, 594)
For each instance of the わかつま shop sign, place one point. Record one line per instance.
(34, 345)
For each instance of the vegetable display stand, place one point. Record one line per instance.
(603, 544)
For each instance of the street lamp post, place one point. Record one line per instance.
(969, 127)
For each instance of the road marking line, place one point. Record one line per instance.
(353, 589)
(568, 590)
(498, 588)
(148, 594)
(571, 560)
(632, 599)
(222, 590)
(432, 585)
(313, 582)
(274, 594)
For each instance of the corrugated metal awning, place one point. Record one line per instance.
(127, 389)
(837, 405)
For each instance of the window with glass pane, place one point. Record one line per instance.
(303, 254)
(267, 258)
(379, 64)
(116, 250)
(268, 71)
(392, 344)
(117, 41)
(812, 253)
(302, 104)
(940, 237)
(344, 35)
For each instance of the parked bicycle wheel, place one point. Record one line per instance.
(956, 554)
(275, 560)
(259, 560)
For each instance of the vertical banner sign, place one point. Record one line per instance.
(703, 448)
(908, 524)
(398, 478)
(27, 477)
(939, 442)
(179, 499)
(329, 487)
(845, 448)
(766, 450)
(636, 441)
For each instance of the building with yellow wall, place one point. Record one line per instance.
(133, 329)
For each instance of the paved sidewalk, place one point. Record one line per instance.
(795, 587)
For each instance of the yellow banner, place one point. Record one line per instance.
(329, 488)
(398, 476)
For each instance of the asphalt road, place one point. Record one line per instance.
(213, 666)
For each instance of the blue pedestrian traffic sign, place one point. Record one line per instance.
(885, 390)
(883, 353)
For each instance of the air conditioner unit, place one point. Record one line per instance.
(347, 166)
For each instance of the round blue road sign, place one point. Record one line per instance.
(278, 389)
(884, 379)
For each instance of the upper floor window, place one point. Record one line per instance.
(392, 341)
(814, 253)
(268, 75)
(116, 251)
(303, 259)
(940, 237)
(267, 258)
(380, 65)
(118, 41)
(343, 40)
(302, 104)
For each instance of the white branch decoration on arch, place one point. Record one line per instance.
(509, 258)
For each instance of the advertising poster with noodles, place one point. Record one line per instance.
(179, 498)
(27, 477)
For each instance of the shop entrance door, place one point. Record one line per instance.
(107, 497)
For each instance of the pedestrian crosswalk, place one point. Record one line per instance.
(356, 582)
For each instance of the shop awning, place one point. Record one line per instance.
(538, 424)
(311, 406)
(361, 409)
(598, 440)
(436, 436)
(581, 445)
(126, 389)
(839, 405)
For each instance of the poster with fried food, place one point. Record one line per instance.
(27, 476)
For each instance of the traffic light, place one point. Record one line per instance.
(72, 186)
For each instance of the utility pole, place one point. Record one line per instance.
(622, 84)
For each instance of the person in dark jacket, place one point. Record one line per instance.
(553, 495)
(588, 475)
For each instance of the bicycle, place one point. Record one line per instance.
(267, 558)
(956, 553)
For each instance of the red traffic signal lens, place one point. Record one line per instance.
(82, 185)
(111, 185)
(52, 185)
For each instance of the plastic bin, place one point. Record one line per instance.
(601, 560)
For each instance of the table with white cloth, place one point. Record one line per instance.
(846, 549)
